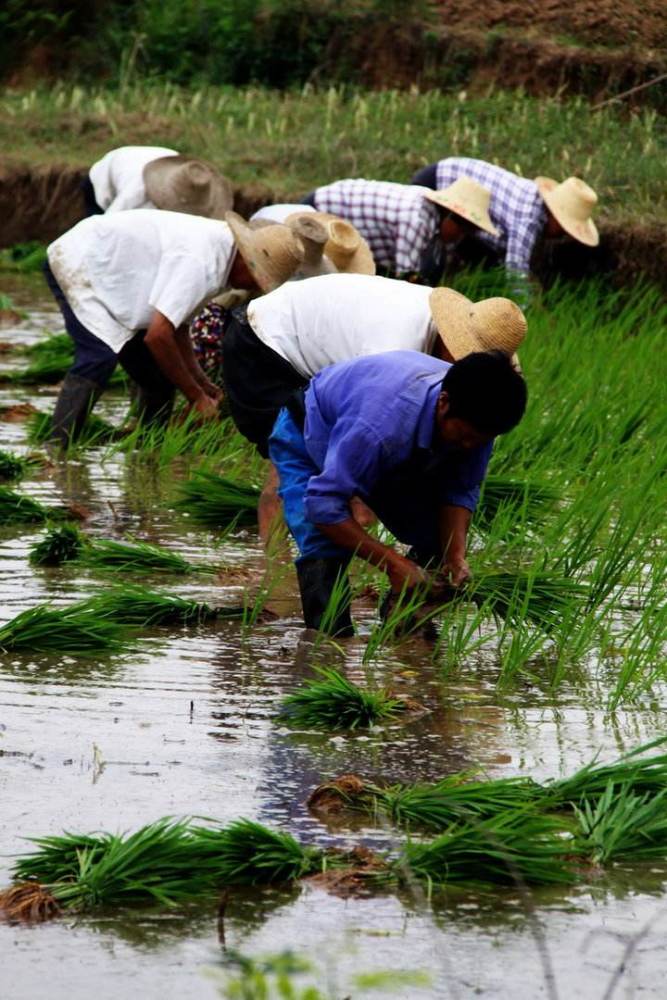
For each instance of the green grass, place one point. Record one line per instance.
(137, 606)
(61, 544)
(13, 466)
(16, 508)
(77, 630)
(95, 431)
(331, 701)
(216, 502)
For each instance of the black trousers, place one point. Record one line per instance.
(426, 177)
(258, 381)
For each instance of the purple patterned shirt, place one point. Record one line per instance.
(517, 208)
(395, 219)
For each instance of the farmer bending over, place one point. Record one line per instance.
(522, 211)
(409, 434)
(288, 336)
(408, 228)
(127, 284)
(155, 177)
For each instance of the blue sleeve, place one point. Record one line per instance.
(462, 489)
(351, 467)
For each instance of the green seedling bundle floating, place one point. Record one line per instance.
(216, 502)
(13, 466)
(76, 630)
(16, 508)
(66, 544)
(135, 605)
(331, 701)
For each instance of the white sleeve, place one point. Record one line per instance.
(180, 287)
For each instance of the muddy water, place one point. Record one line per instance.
(184, 725)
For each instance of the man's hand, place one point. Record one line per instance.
(404, 573)
(206, 406)
(211, 389)
(456, 572)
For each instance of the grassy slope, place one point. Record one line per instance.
(292, 141)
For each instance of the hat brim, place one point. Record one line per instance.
(444, 201)
(585, 232)
(243, 238)
(452, 315)
(157, 180)
(359, 262)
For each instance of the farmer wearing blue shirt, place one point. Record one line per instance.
(409, 434)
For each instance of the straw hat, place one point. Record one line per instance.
(272, 252)
(345, 246)
(468, 199)
(314, 235)
(571, 203)
(465, 327)
(183, 184)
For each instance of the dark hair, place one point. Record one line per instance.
(486, 391)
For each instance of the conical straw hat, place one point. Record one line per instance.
(345, 247)
(572, 203)
(183, 184)
(272, 252)
(495, 324)
(468, 199)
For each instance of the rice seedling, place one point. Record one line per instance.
(331, 701)
(216, 502)
(248, 853)
(539, 596)
(95, 431)
(620, 824)
(15, 508)
(13, 466)
(76, 630)
(135, 605)
(60, 544)
(638, 773)
(507, 849)
(525, 500)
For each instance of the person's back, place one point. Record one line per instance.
(118, 178)
(336, 317)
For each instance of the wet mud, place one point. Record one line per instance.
(186, 725)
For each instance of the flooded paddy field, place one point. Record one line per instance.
(184, 724)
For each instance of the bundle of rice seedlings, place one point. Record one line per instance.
(95, 431)
(632, 771)
(620, 824)
(509, 849)
(60, 544)
(76, 630)
(135, 605)
(12, 466)
(541, 597)
(532, 500)
(216, 502)
(15, 508)
(248, 853)
(334, 702)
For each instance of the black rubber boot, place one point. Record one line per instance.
(317, 580)
(76, 400)
(153, 405)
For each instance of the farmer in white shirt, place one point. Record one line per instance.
(128, 283)
(302, 327)
(139, 177)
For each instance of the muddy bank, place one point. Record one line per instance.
(40, 203)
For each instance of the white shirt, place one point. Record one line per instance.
(118, 178)
(116, 270)
(278, 213)
(337, 317)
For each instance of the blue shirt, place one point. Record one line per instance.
(367, 416)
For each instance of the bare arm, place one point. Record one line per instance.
(453, 523)
(163, 345)
(184, 344)
(350, 535)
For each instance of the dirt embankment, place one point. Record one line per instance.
(40, 203)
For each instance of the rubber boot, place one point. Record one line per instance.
(317, 580)
(76, 400)
(153, 405)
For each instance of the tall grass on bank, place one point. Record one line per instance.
(343, 133)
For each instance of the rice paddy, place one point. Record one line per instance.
(140, 682)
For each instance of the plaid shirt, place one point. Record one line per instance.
(517, 208)
(395, 219)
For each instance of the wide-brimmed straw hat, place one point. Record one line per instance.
(571, 203)
(465, 327)
(272, 252)
(468, 199)
(345, 246)
(184, 184)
